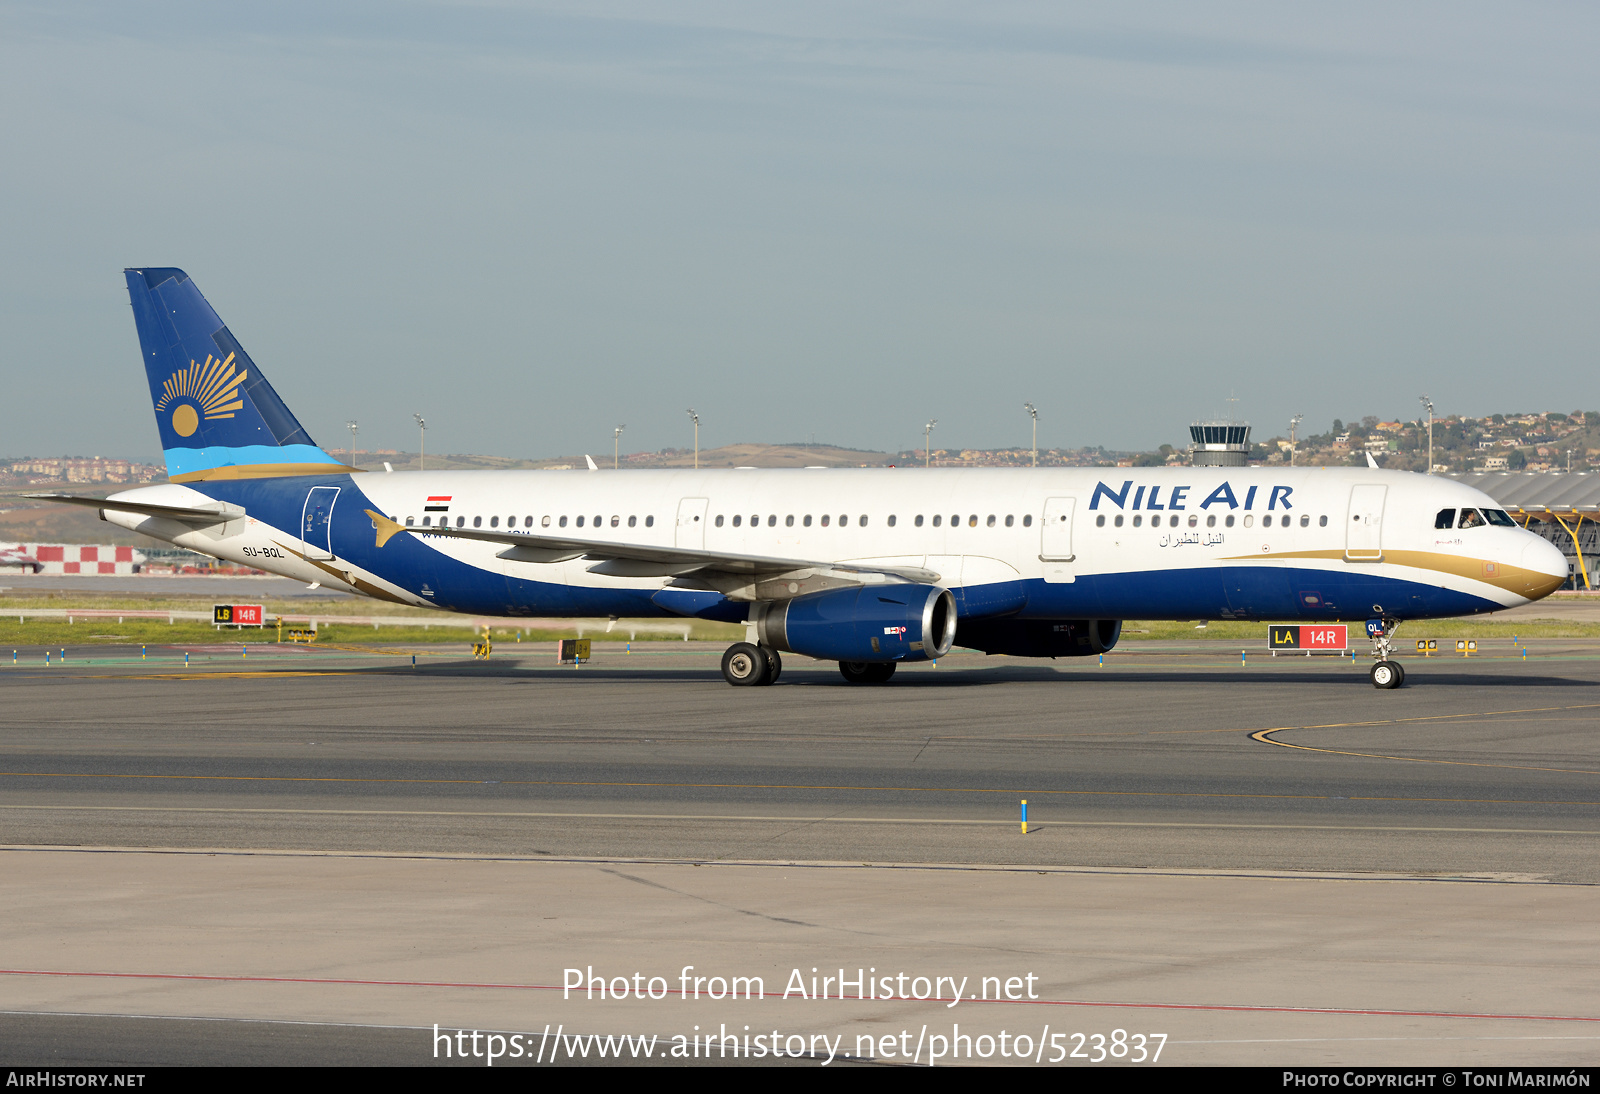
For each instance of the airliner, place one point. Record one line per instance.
(869, 567)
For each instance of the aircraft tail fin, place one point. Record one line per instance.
(218, 416)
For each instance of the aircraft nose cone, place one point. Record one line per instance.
(1545, 566)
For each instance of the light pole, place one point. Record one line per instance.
(422, 443)
(1034, 414)
(353, 428)
(616, 447)
(1430, 433)
(927, 440)
(1294, 424)
(696, 419)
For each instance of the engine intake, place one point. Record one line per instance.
(864, 623)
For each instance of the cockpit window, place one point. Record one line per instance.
(1500, 517)
(1471, 518)
(1445, 519)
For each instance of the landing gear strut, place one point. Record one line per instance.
(749, 665)
(1386, 672)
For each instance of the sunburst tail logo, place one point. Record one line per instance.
(211, 389)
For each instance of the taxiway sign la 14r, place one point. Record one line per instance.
(867, 567)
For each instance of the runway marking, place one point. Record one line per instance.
(1081, 1003)
(1265, 737)
(802, 786)
(782, 819)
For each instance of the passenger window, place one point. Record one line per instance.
(1010, 520)
(1117, 520)
(1193, 520)
(937, 519)
(772, 520)
(1266, 521)
(991, 520)
(1322, 522)
(1211, 520)
(788, 521)
(825, 519)
(1027, 521)
(955, 520)
(1100, 521)
(615, 521)
(580, 522)
(1305, 520)
(477, 522)
(1137, 520)
(755, 521)
(633, 522)
(1445, 519)
(461, 522)
(1227, 521)
(597, 520)
(844, 520)
(494, 522)
(891, 520)
(918, 521)
(427, 522)
(544, 521)
(1249, 520)
(972, 521)
(807, 520)
(409, 520)
(862, 520)
(650, 522)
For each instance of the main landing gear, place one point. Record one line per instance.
(748, 665)
(866, 672)
(1386, 672)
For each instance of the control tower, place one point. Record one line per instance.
(1219, 443)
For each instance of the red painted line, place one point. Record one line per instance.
(1236, 1007)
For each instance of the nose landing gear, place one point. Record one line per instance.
(1386, 672)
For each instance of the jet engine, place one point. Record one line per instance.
(864, 623)
(1041, 637)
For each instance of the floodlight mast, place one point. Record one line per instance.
(696, 419)
(616, 447)
(1294, 424)
(1034, 414)
(1430, 433)
(927, 441)
(422, 443)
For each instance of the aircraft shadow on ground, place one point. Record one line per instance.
(809, 676)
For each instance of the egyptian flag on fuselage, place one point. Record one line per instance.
(438, 504)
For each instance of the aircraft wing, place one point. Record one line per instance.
(639, 560)
(219, 515)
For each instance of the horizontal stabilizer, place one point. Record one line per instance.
(220, 515)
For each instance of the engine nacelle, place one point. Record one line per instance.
(1041, 637)
(864, 623)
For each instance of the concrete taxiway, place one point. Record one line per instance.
(1281, 863)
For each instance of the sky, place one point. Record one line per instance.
(532, 222)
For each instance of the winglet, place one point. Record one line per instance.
(1372, 463)
(387, 528)
(590, 461)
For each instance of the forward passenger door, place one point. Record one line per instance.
(1363, 525)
